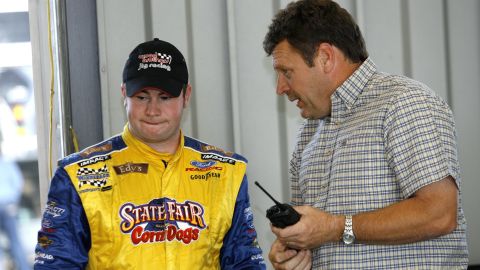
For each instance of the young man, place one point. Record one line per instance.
(150, 198)
(375, 173)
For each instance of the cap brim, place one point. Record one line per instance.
(171, 86)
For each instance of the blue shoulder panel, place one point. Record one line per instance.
(99, 149)
(216, 153)
(240, 248)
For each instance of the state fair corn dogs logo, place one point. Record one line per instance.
(162, 220)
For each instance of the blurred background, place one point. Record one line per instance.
(19, 179)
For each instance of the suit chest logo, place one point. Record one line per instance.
(94, 177)
(204, 170)
(162, 220)
(131, 168)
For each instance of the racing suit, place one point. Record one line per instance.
(122, 205)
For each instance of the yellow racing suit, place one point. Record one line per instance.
(122, 205)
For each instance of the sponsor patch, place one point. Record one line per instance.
(41, 257)
(94, 149)
(162, 220)
(218, 158)
(53, 210)
(256, 257)
(44, 256)
(93, 160)
(131, 168)
(107, 188)
(44, 241)
(208, 148)
(155, 60)
(93, 177)
(88, 190)
(47, 225)
(203, 164)
(205, 177)
(217, 168)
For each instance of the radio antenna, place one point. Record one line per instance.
(268, 194)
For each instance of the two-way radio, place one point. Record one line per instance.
(281, 214)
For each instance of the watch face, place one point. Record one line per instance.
(348, 238)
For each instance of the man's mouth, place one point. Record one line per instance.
(299, 102)
(152, 123)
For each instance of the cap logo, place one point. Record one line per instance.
(155, 60)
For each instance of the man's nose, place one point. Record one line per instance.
(153, 108)
(282, 85)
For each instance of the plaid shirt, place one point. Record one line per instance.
(387, 137)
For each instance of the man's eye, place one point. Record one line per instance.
(141, 98)
(165, 97)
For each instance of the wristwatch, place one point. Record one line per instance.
(348, 236)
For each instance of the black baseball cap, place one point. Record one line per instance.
(158, 64)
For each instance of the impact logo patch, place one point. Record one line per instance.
(162, 220)
(94, 160)
(219, 158)
(93, 177)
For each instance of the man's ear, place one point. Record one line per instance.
(187, 94)
(325, 57)
(124, 90)
(124, 93)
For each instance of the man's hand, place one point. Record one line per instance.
(314, 228)
(282, 257)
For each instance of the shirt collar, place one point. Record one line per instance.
(148, 151)
(351, 89)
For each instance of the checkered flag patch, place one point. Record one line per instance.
(93, 177)
(165, 57)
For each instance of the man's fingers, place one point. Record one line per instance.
(279, 253)
(305, 257)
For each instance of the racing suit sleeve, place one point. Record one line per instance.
(64, 238)
(240, 247)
